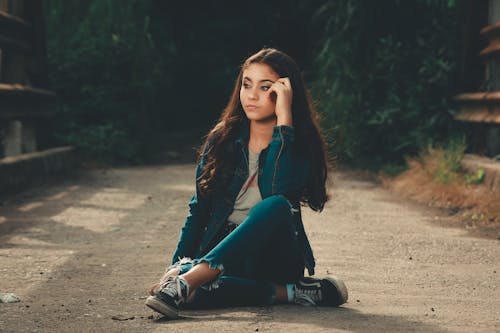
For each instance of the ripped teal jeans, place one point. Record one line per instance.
(261, 252)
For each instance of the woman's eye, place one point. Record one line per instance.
(265, 88)
(246, 85)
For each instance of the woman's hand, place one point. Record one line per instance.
(283, 89)
(155, 288)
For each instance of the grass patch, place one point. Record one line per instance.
(435, 177)
(443, 162)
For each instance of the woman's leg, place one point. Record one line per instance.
(254, 245)
(270, 216)
(230, 290)
(251, 240)
(233, 291)
(268, 223)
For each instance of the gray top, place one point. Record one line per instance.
(249, 194)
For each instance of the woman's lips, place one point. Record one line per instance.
(251, 106)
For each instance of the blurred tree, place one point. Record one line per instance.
(128, 71)
(385, 71)
(108, 73)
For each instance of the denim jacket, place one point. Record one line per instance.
(281, 172)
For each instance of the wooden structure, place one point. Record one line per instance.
(25, 103)
(484, 107)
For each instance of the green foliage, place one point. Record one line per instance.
(104, 142)
(443, 163)
(385, 72)
(448, 166)
(475, 178)
(107, 72)
(125, 70)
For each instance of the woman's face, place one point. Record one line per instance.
(257, 102)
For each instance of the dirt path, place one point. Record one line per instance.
(83, 252)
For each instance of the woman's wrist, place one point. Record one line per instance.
(285, 119)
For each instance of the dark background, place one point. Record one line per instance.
(129, 73)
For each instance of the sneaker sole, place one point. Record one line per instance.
(341, 287)
(158, 306)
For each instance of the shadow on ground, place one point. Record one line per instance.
(290, 317)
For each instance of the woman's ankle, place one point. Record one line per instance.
(281, 294)
(199, 275)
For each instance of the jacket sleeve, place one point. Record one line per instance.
(196, 219)
(285, 172)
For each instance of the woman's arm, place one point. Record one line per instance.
(196, 219)
(285, 172)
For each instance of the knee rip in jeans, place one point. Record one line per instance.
(179, 263)
(192, 262)
(216, 282)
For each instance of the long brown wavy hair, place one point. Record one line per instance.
(218, 149)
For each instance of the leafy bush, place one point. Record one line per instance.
(384, 73)
(475, 178)
(107, 72)
(104, 142)
(443, 163)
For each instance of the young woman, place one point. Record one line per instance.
(243, 242)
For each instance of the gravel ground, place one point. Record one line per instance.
(80, 255)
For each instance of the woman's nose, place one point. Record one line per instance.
(252, 94)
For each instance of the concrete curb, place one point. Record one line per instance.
(472, 163)
(18, 171)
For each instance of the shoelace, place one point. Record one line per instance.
(307, 297)
(176, 288)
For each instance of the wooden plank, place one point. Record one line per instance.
(18, 101)
(24, 91)
(478, 114)
(7, 18)
(483, 107)
(38, 154)
(492, 34)
(14, 33)
(478, 98)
